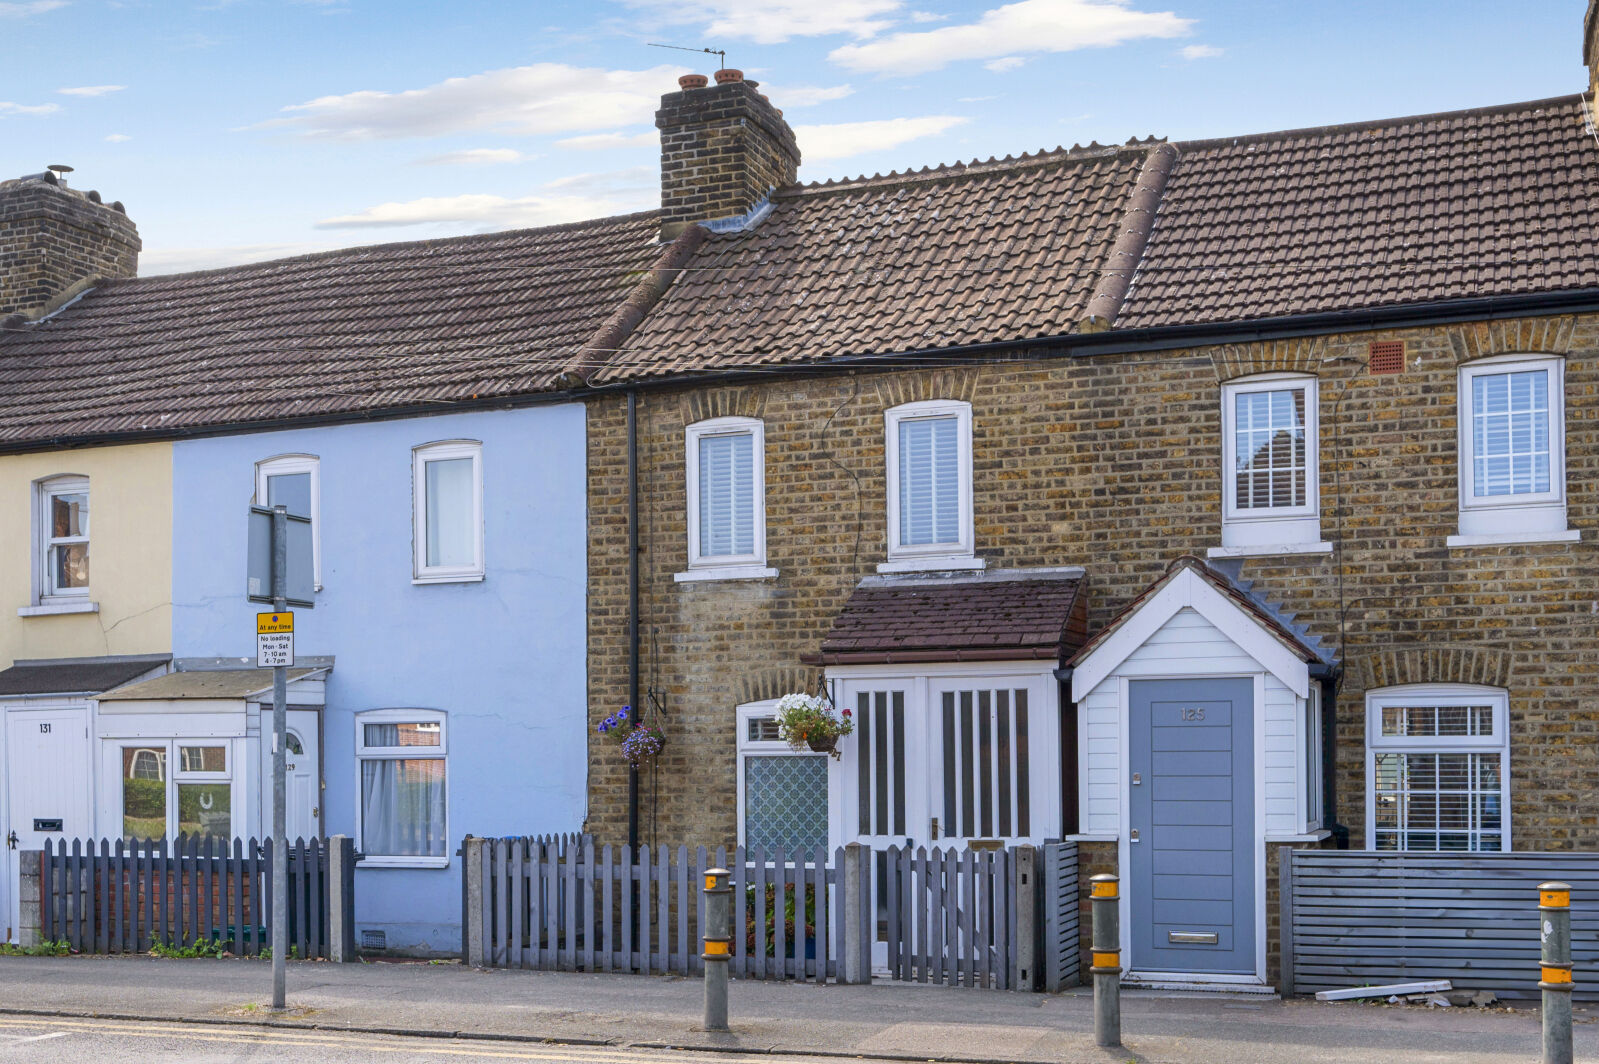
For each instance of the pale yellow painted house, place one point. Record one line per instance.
(126, 605)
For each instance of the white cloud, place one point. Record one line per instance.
(182, 260)
(543, 98)
(91, 90)
(975, 99)
(805, 95)
(774, 21)
(475, 157)
(1009, 62)
(9, 108)
(568, 199)
(839, 141)
(927, 16)
(607, 141)
(33, 7)
(1028, 27)
(1201, 51)
(117, 138)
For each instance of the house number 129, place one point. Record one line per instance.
(1193, 714)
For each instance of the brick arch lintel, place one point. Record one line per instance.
(1392, 666)
(903, 388)
(1547, 336)
(1302, 355)
(723, 402)
(777, 682)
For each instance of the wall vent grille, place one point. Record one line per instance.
(1386, 356)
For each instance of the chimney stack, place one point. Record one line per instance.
(53, 239)
(1590, 47)
(723, 148)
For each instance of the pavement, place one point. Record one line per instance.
(884, 1021)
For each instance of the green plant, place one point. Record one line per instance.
(808, 721)
(43, 949)
(769, 912)
(216, 948)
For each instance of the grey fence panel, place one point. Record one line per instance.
(1359, 917)
(1062, 918)
(950, 916)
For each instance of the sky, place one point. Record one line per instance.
(242, 130)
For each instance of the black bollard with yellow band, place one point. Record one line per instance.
(1554, 930)
(1105, 898)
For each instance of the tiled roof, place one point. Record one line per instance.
(364, 329)
(996, 616)
(76, 675)
(1487, 202)
(960, 255)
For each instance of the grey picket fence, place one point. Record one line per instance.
(543, 904)
(1354, 918)
(127, 896)
(951, 916)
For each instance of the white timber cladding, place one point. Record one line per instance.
(1188, 645)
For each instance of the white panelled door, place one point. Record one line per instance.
(303, 798)
(47, 789)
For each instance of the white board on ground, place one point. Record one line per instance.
(1350, 993)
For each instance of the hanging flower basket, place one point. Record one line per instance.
(643, 745)
(808, 722)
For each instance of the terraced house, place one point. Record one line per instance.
(1189, 500)
(398, 396)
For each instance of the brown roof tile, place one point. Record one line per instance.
(1487, 202)
(996, 616)
(961, 255)
(358, 330)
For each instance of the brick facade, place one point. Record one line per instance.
(1113, 463)
(723, 148)
(53, 237)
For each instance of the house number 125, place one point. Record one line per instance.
(1193, 714)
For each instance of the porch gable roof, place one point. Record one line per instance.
(1005, 616)
(1189, 582)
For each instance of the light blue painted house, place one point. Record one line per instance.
(409, 399)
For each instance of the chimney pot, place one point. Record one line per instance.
(727, 75)
(692, 81)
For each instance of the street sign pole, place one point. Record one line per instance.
(280, 845)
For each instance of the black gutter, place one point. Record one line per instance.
(1067, 345)
(632, 610)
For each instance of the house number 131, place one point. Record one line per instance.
(1193, 714)
(44, 729)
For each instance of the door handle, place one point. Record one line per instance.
(935, 829)
(11, 841)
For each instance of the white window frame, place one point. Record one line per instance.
(364, 753)
(1438, 695)
(1277, 529)
(725, 566)
(176, 775)
(1311, 761)
(930, 556)
(288, 465)
(743, 714)
(445, 450)
(45, 592)
(1527, 518)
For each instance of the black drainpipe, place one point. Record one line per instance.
(1328, 678)
(632, 607)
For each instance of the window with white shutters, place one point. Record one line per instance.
(1270, 495)
(929, 447)
(726, 499)
(1512, 450)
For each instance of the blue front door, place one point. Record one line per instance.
(1192, 892)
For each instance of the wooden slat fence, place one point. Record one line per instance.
(1354, 918)
(126, 896)
(951, 915)
(571, 907)
(1061, 917)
